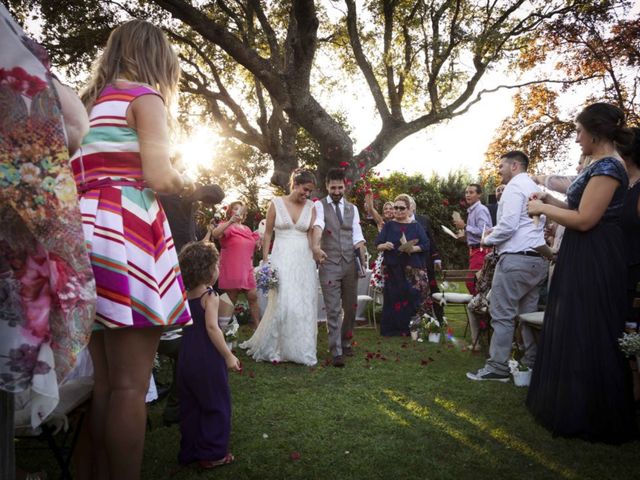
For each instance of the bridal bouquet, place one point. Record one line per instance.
(266, 278)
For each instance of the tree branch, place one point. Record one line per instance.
(363, 63)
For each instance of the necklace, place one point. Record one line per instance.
(126, 80)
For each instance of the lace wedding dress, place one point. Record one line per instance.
(289, 327)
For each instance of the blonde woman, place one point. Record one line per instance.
(402, 240)
(123, 162)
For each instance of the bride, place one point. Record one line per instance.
(289, 327)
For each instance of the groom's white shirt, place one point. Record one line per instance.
(357, 229)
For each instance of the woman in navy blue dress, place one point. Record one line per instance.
(403, 294)
(581, 384)
(203, 387)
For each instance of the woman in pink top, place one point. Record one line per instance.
(237, 244)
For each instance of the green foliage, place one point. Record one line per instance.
(241, 171)
(438, 197)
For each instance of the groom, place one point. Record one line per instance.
(336, 235)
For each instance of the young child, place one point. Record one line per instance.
(205, 400)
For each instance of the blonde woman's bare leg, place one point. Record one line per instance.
(130, 353)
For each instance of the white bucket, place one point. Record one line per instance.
(434, 337)
(522, 379)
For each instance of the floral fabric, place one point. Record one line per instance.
(47, 291)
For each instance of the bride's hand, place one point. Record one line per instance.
(319, 255)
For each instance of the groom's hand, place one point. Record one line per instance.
(319, 255)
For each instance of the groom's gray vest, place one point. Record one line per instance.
(337, 240)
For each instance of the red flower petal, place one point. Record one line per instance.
(294, 455)
(344, 164)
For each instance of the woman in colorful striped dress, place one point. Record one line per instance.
(123, 161)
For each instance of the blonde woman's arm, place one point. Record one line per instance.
(147, 115)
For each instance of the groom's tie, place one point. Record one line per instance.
(337, 205)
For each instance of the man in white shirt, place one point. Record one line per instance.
(337, 240)
(520, 269)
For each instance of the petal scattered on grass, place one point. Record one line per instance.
(294, 455)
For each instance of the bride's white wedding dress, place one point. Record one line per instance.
(289, 327)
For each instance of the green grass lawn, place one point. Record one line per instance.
(408, 412)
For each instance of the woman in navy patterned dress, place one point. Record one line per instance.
(581, 385)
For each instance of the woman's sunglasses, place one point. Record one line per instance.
(399, 207)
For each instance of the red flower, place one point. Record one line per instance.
(349, 335)
(18, 80)
(344, 164)
(361, 164)
(445, 202)
(294, 455)
(315, 199)
(397, 306)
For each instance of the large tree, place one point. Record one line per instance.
(600, 46)
(253, 66)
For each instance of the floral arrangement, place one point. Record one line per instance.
(241, 313)
(630, 344)
(231, 330)
(433, 325)
(515, 366)
(266, 278)
(425, 324)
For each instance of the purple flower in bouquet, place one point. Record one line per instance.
(266, 278)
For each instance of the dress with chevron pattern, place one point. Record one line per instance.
(125, 228)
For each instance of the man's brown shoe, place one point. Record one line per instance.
(347, 351)
(338, 361)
